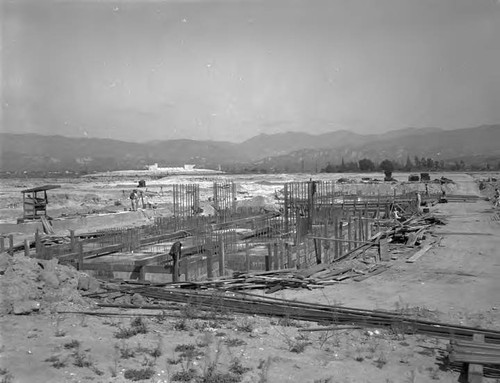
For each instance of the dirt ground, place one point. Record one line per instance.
(455, 282)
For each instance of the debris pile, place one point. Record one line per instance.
(29, 284)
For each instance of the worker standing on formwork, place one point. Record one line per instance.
(175, 253)
(134, 200)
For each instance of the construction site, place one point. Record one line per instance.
(282, 278)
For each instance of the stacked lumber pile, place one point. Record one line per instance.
(412, 231)
(272, 281)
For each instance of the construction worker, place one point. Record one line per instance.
(175, 253)
(496, 198)
(134, 200)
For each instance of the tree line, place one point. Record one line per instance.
(417, 164)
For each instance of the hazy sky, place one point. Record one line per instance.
(231, 69)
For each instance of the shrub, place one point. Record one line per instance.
(136, 375)
(73, 344)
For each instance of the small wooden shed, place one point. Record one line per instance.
(35, 201)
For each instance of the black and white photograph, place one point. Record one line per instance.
(250, 191)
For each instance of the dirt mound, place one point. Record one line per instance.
(29, 284)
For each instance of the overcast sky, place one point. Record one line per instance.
(229, 70)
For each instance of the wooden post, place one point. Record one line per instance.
(367, 232)
(222, 258)
(175, 268)
(11, 244)
(210, 273)
(360, 226)
(383, 250)
(275, 260)
(317, 250)
(336, 244)
(327, 244)
(26, 248)
(281, 254)
(268, 258)
(340, 236)
(306, 252)
(247, 257)
(289, 260)
(286, 206)
(2, 244)
(80, 256)
(349, 231)
(72, 240)
(38, 245)
(355, 230)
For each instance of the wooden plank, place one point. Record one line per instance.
(339, 240)
(378, 270)
(419, 253)
(124, 268)
(47, 227)
(312, 270)
(459, 233)
(471, 343)
(475, 371)
(121, 246)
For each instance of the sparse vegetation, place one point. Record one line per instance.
(181, 325)
(381, 361)
(137, 326)
(237, 368)
(136, 375)
(246, 325)
(7, 376)
(188, 351)
(81, 359)
(71, 345)
(126, 352)
(56, 362)
(184, 376)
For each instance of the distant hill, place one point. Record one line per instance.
(472, 145)
(292, 151)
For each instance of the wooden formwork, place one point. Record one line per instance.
(318, 223)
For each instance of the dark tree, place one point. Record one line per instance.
(387, 165)
(366, 165)
(408, 165)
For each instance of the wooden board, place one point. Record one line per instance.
(475, 371)
(419, 253)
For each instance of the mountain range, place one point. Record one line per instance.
(291, 151)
